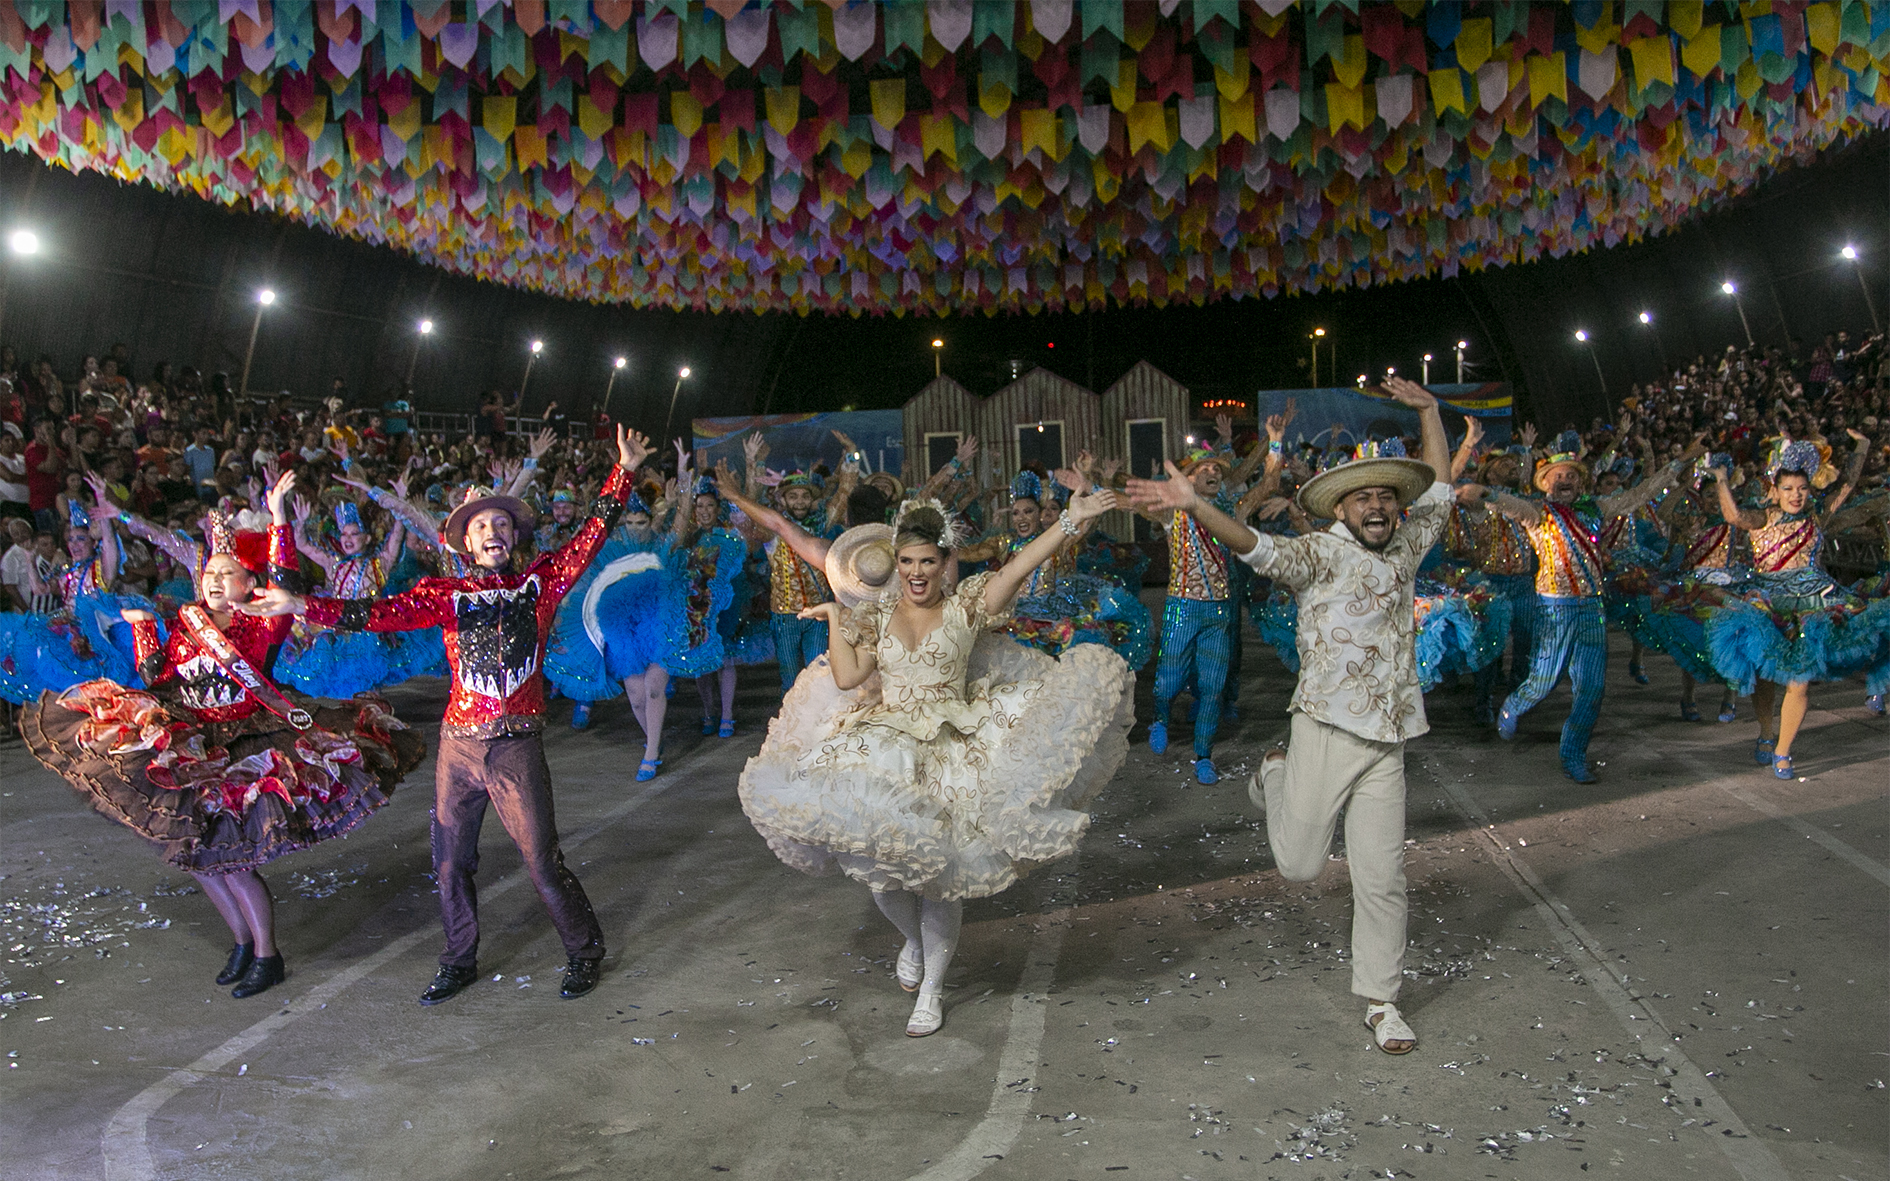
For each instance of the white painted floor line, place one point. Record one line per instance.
(1745, 1151)
(1758, 803)
(994, 1134)
(125, 1144)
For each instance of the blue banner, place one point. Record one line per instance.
(1361, 414)
(799, 441)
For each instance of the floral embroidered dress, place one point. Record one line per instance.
(1791, 621)
(955, 769)
(199, 767)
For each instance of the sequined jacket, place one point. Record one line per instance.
(495, 625)
(210, 692)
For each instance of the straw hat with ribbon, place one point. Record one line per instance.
(1376, 466)
(1547, 466)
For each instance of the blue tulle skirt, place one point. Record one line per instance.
(41, 653)
(1458, 631)
(1798, 626)
(339, 664)
(1085, 609)
(619, 600)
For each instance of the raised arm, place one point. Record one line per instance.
(811, 549)
(181, 548)
(1430, 423)
(1513, 507)
(1853, 471)
(1628, 499)
(1004, 586)
(1729, 508)
(308, 549)
(1472, 435)
(110, 557)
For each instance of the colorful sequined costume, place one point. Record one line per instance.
(339, 664)
(1707, 555)
(1571, 629)
(1635, 547)
(794, 586)
(1498, 548)
(703, 621)
(85, 639)
(1059, 606)
(200, 768)
(1195, 636)
(1790, 622)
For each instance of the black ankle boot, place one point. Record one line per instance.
(448, 983)
(241, 957)
(265, 973)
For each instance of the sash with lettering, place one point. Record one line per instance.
(211, 638)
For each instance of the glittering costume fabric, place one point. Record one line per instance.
(612, 623)
(1791, 622)
(956, 768)
(495, 626)
(84, 639)
(1060, 607)
(794, 586)
(1199, 603)
(339, 664)
(1707, 556)
(1571, 625)
(196, 765)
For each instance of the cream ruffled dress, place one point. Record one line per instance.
(955, 769)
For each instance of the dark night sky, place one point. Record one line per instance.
(175, 278)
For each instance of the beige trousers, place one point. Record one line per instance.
(1328, 769)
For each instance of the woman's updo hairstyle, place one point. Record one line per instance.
(923, 523)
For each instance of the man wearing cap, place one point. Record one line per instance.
(562, 526)
(1571, 629)
(1357, 699)
(491, 748)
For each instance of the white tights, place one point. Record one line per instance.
(928, 922)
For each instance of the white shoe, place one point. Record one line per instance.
(1389, 1027)
(909, 970)
(927, 1015)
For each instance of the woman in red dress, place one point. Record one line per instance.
(214, 764)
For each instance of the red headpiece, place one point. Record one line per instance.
(249, 548)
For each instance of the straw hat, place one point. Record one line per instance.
(891, 485)
(1563, 459)
(1407, 477)
(860, 564)
(454, 531)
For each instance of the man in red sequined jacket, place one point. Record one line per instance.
(491, 748)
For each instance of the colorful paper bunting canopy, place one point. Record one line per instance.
(846, 155)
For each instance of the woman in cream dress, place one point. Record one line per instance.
(927, 757)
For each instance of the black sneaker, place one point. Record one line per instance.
(448, 982)
(580, 976)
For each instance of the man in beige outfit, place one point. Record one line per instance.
(1357, 699)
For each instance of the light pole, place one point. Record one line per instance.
(538, 346)
(1427, 369)
(938, 353)
(1729, 289)
(671, 416)
(1850, 255)
(1581, 338)
(1461, 346)
(1660, 347)
(425, 330)
(616, 367)
(264, 298)
(1316, 336)
(25, 243)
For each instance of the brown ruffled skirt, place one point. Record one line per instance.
(222, 797)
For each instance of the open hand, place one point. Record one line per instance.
(1174, 493)
(1409, 393)
(273, 600)
(632, 448)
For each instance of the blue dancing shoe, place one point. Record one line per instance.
(1762, 751)
(708, 725)
(1875, 704)
(581, 715)
(1689, 712)
(728, 728)
(1506, 725)
(1205, 774)
(1638, 672)
(1158, 737)
(1577, 769)
(646, 770)
(1728, 712)
(1782, 767)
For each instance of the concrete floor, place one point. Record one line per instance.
(1679, 972)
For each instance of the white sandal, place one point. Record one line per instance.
(1390, 1027)
(927, 1015)
(909, 970)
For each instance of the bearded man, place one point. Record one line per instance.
(1357, 699)
(491, 748)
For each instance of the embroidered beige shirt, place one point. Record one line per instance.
(1357, 631)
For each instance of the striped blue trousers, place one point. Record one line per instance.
(1520, 590)
(797, 643)
(1571, 635)
(1196, 641)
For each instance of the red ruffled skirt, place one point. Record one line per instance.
(221, 797)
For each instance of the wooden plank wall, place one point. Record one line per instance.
(1041, 396)
(942, 406)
